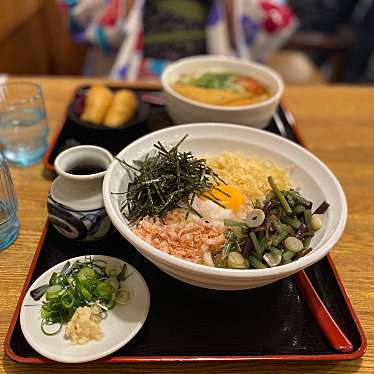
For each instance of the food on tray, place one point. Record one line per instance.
(84, 326)
(81, 295)
(228, 210)
(103, 107)
(122, 108)
(221, 88)
(96, 105)
(248, 173)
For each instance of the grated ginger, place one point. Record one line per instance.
(84, 326)
(248, 173)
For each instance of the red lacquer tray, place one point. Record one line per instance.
(187, 323)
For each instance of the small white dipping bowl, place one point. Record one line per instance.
(184, 110)
(316, 181)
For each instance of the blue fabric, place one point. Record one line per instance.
(71, 2)
(75, 28)
(157, 66)
(101, 39)
(250, 29)
(123, 72)
(215, 14)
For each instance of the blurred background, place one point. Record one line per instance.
(326, 40)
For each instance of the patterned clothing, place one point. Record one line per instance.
(140, 44)
(174, 28)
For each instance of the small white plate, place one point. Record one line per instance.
(121, 325)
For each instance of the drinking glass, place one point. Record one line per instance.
(9, 224)
(23, 123)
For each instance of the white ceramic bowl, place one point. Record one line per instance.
(316, 181)
(184, 110)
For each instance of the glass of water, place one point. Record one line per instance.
(23, 123)
(9, 224)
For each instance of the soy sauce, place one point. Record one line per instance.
(85, 169)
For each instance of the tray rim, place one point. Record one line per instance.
(129, 359)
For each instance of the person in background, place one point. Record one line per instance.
(353, 17)
(135, 39)
(358, 57)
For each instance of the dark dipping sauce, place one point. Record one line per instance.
(86, 170)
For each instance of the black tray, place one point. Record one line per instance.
(187, 323)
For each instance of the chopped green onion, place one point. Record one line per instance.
(104, 289)
(86, 273)
(235, 260)
(222, 263)
(308, 218)
(280, 196)
(53, 292)
(299, 198)
(113, 269)
(272, 259)
(307, 242)
(122, 275)
(290, 201)
(263, 243)
(67, 299)
(53, 279)
(299, 209)
(86, 294)
(256, 263)
(44, 323)
(229, 222)
(294, 222)
(276, 224)
(83, 283)
(123, 296)
(288, 255)
(256, 244)
(275, 250)
(279, 237)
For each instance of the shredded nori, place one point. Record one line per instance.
(166, 180)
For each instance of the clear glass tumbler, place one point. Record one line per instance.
(9, 224)
(23, 123)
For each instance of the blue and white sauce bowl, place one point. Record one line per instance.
(78, 225)
(75, 203)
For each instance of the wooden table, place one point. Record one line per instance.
(337, 123)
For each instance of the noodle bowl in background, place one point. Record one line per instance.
(183, 109)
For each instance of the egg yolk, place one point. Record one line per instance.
(230, 197)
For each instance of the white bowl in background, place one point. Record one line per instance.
(184, 110)
(313, 177)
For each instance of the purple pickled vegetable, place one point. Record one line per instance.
(301, 231)
(267, 207)
(248, 247)
(322, 208)
(302, 253)
(267, 231)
